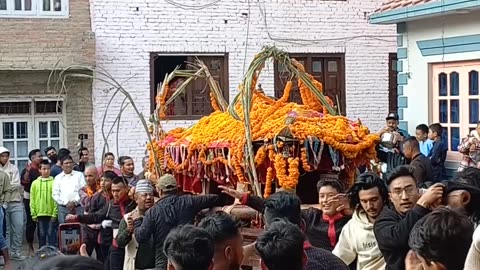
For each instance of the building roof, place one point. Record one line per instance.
(395, 4)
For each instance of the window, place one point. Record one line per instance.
(326, 68)
(34, 8)
(392, 83)
(26, 125)
(455, 93)
(195, 102)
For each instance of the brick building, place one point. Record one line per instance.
(36, 38)
(138, 42)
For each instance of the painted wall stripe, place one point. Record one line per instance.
(403, 125)
(402, 102)
(450, 45)
(402, 78)
(402, 53)
(400, 66)
(400, 41)
(400, 114)
(429, 9)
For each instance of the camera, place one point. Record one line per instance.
(83, 136)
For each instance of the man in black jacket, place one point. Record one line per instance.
(422, 166)
(110, 216)
(393, 226)
(286, 205)
(169, 212)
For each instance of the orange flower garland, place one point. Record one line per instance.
(268, 118)
(268, 183)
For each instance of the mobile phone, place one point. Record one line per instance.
(70, 238)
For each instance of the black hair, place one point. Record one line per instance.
(403, 170)
(80, 150)
(367, 181)
(41, 255)
(437, 127)
(281, 246)
(32, 153)
(189, 247)
(117, 180)
(423, 128)
(44, 163)
(412, 142)
(109, 175)
(48, 149)
(283, 204)
(145, 160)
(336, 184)
(71, 262)
(62, 152)
(108, 154)
(122, 159)
(221, 226)
(64, 158)
(443, 236)
(469, 175)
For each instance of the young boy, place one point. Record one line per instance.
(439, 152)
(43, 207)
(426, 145)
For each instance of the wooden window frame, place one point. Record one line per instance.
(340, 57)
(33, 120)
(36, 11)
(463, 97)
(153, 90)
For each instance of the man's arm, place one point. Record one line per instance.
(144, 227)
(123, 237)
(57, 191)
(199, 202)
(393, 234)
(344, 248)
(33, 197)
(95, 218)
(15, 181)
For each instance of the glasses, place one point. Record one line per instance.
(410, 191)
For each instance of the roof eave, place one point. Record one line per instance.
(422, 11)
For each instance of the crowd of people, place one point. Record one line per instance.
(408, 218)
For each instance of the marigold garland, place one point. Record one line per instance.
(268, 183)
(268, 118)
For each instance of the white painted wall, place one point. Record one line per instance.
(125, 37)
(417, 90)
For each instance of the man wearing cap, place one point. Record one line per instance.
(392, 125)
(169, 212)
(390, 154)
(144, 199)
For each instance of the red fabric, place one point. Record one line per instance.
(244, 199)
(332, 235)
(306, 245)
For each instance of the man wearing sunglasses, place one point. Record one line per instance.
(393, 226)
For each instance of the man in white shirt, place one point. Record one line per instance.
(14, 210)
(65, 190)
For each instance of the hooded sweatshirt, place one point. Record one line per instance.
(357, 241)
(14, 175)
(41, 200)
